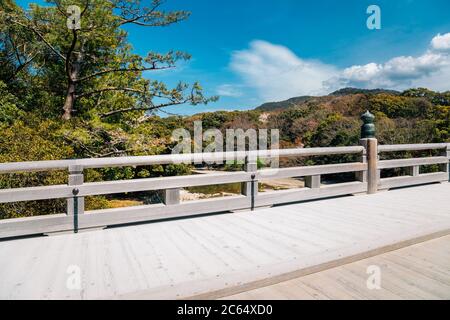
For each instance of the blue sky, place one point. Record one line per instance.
(252, 51)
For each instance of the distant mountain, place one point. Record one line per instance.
(272, 106)
(346, 91)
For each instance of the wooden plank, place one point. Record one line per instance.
(413, 171)
(417, 263)
(281, 173)
(275, 279)
(404, 181)
(399, 163)
(34, 166)
(143, 261)
(243, 253)
(213, 241)
(109, 217)
(312, 182)
(305, 152)
(169, 159)
(295, 195)
(171, 196)
(349, 280)
(35, 193)
(411, 147)
(35, 225)
(111, 187)
(326, 288)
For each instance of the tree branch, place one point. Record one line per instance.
(30, 27)
(96, 74)
(137, 17)
(109, 89)
(153, 24)
(96, 154)
(149, 108)
(151, 17)
(21, 67)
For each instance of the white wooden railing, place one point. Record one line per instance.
(367, 180)
(414, 176)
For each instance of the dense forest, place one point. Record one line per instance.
(81, 93)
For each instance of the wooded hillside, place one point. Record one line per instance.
(81, 93)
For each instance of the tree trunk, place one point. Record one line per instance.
(72, 70)
(70, 101)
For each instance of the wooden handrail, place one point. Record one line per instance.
(367, 170)
(35, 166)
(401, 163)
(412, 147)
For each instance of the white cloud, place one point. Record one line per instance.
(398, 73)
(229, 90)
(276, 73)
(362, 73)
(441, 42)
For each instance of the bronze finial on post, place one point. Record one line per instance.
(368, 128)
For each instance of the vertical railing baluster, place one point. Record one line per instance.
(446, 167)
(76, 178)
(250, 188)
(171, 196)
(413, 171)
(312, 182)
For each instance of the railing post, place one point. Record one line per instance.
(370, 143)
(312, 182)
(76, 178)
(171, 196)
(372, 176)
(446, 167)
(250, 188)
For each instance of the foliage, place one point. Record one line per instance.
(83, 94)
(437, 98)
(21, 141)
(88, 67)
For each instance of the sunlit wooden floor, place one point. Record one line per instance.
(221, 255)
(421, 271)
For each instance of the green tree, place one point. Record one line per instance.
(88, 66)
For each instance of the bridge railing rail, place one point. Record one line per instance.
(414, 176)
(171, 207)
(367, 171)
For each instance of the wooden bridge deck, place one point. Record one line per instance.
(421, 271)
(222, 255)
